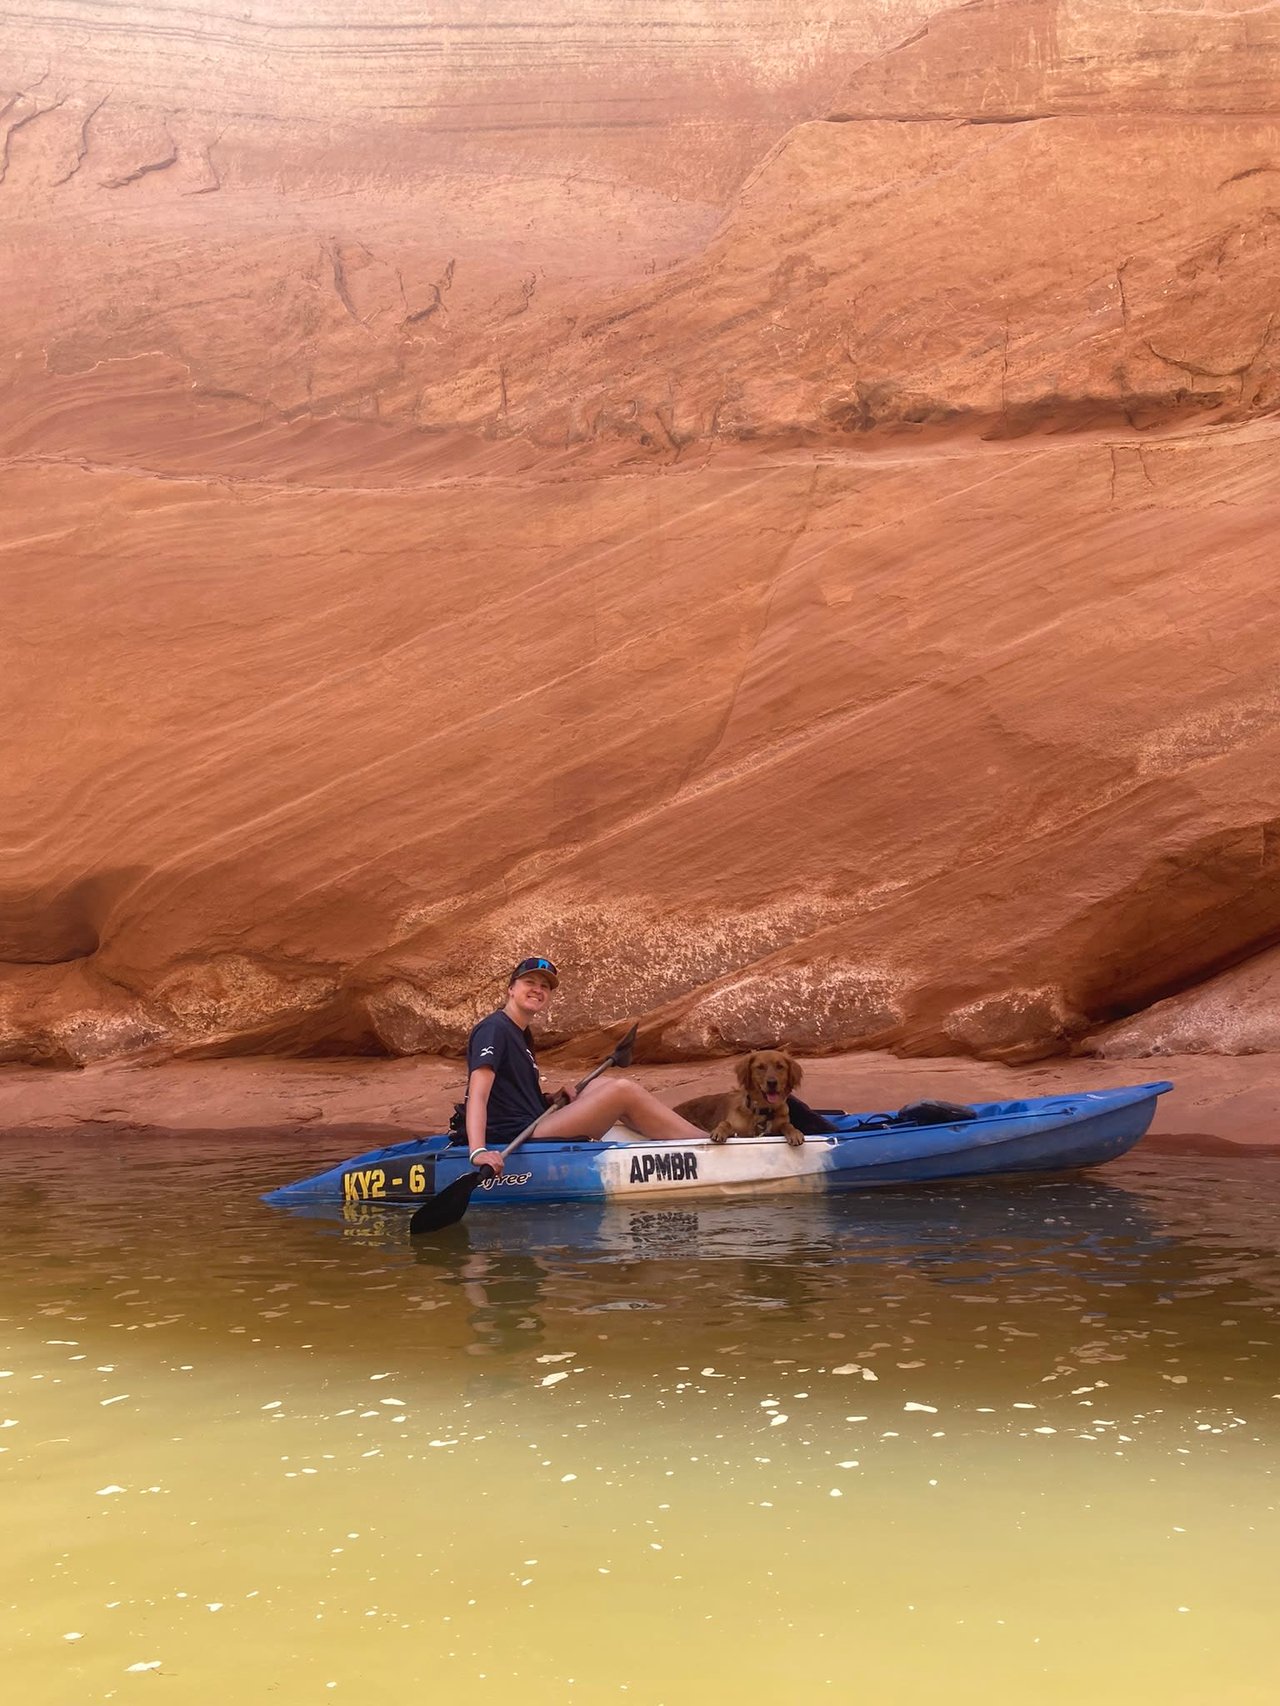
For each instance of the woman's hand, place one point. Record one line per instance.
(488, 1158)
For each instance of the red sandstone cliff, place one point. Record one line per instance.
(775, 513)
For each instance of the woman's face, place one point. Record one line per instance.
(532, 991)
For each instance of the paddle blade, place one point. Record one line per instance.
(621, 1055)
(448, 1208)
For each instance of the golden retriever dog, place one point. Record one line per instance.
(758, 1108)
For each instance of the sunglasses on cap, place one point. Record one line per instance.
(536, 964)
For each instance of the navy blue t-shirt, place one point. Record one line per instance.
(516, 1097)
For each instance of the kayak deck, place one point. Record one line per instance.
(1030, 1135)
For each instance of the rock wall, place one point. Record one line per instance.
(776, 512)
(1237, 1012)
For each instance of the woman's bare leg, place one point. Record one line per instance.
(606, 1101)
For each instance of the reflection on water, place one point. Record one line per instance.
(985, 1443)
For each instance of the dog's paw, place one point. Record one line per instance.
(794, 1138)
(721, 1134)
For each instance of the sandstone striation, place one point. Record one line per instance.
(775, 512)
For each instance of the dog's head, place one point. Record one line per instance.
(768, 1077)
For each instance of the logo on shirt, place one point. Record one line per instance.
(485, 1051)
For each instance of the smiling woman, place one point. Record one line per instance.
(504, 1087)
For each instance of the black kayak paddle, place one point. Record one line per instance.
(448, 1208)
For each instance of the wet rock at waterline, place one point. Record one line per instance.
(784, 523)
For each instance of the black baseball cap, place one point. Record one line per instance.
(535, 963)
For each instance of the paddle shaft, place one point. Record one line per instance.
(559, 1101)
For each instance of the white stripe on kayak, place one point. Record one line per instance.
(762, 1164)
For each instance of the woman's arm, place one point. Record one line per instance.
(479, 1084)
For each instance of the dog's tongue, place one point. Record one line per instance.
(772, 1096)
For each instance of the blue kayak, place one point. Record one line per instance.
(1041, 1134)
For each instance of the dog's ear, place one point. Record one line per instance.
(742, 1071)
(794, 1074)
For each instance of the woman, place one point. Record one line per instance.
(504, 1090)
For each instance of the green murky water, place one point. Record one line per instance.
(637, 1456)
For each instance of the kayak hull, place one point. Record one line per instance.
(1036, 1135)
